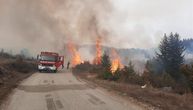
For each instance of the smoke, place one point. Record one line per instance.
(49, 24)
(142, 24)
(46, 25)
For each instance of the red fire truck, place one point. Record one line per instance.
(50, 61)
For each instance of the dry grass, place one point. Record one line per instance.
(13, 71)
(155, 97)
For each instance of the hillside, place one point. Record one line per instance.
(188, 43)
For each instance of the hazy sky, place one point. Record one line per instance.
(143, 22)
(48, 24)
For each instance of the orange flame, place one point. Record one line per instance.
(97, 59)
(116, 61)
(76, 58)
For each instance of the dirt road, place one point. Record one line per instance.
(63, 91)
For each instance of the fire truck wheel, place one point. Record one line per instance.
(55, 71)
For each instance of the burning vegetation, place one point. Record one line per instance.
(108, 65)
(75, 55)
(167, 72)
(97, 59)
(116, 61)
(156, 73)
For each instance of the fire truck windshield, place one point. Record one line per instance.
(48, 58)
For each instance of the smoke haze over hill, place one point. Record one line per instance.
(48, 24)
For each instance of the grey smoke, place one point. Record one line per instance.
(121, 23)
(48, 24)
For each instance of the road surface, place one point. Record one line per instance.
(63, 91)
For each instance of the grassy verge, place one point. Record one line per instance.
(158, 98)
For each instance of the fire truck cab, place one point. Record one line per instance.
(50, 61)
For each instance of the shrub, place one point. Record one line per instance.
(82, 68)
(187, 70)
(160, 80)
(106, 67)
(128, 75)
(127, 72)
(116, 75)
(163, 80)
(107, 75)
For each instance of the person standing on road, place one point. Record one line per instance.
(68, 65)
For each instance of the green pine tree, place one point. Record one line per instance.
(171, 55)
(106, 65)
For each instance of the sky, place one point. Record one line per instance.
(143, 23)
(48, 24)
